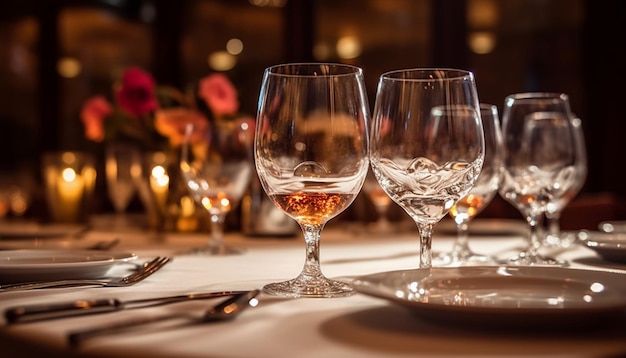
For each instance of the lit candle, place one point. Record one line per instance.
(159, 184)
(70, 189)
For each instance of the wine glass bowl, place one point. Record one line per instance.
(216, 164)
(554, 209)
(539, 162)
(311, 156)
(427, 143)
(481, 194)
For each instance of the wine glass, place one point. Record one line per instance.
(555, 207)
(311, 156)
(216, 165)
(381, 202)
(481, 194)
(427, 143)
(539, 162)
(121, 160)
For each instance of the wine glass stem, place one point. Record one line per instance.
(217, 230)
(312, 240)
(553, 219)
(462, 237)
(426, 238)
(534, 223)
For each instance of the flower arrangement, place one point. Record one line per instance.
(155, 116)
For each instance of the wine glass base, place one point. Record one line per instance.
(527, 259)
(463, 258)
(314, 287)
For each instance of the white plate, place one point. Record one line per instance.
(40, 265)
(492, 296)
(611, 247)
(484, 227)
(31, 230)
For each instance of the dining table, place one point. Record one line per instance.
(359, 325)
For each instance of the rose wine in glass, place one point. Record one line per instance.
(311, 156)
(427, 143)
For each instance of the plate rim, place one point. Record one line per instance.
(606, 307)
(105, 258)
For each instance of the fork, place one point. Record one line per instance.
(145, 271)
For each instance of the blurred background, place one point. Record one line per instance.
(56, 54)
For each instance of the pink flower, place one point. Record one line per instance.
(93, 114)
(136, 92)
(219, 94)
(171, 123)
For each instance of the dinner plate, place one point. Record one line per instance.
(611, 247)
(503, 296)
(41, 265)
(486, 227)
(31, 230)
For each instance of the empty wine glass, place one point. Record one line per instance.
(539, 161)
(311, 156)
(427, 143)
(481, 194)
(555, 207)
(381, 202)
(216, 165)
(121, 160)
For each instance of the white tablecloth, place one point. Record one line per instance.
(355, 326)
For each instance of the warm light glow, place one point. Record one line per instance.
(68, 67)
(322, 51)
(482, 14)
(234, 46)
(348, 47)
(482, 42)
(69, 174)
(222, 61)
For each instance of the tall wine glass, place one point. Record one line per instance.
(381, 202)
(427, 143)
(216, 165)
(539, 160)
(555, 207)
(311, 156)
(485, 188)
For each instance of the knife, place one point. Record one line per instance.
(223, 311)
(37, 312)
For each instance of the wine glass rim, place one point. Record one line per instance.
(538, 95)
(427, 74)
(313, 69)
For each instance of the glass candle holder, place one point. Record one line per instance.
(69, 181)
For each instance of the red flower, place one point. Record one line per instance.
(219, 94)
(93, 114)
(136, 92)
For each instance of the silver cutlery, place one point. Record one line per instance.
(37, 312)
(139, 275)
(223, 311)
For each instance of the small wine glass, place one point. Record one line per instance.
(381, 202)
(121, 160)
(554, 209)
(485, 188)
(539, 160)
(427, 143)
(216, 165)
(311, 156)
